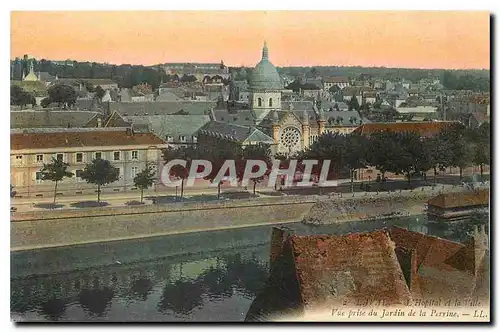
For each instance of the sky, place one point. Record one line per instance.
(407, 39)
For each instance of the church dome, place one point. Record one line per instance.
(265, 76)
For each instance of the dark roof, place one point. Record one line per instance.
(50, 118)
(162, 107)
(235, 132)
(67, 139)
(345, 116)
(460, 199)
(240, 117)
(297, 105)
(171, 125)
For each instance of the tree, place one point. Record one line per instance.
(45, 102)
(383, 151)
(254, 152)
(188, 154)
(334, 89)
(64, 95)
(480, 139)
(355, 154)
(456, 138)
(353, 103)
(99, 93)
(329, 146)
(55, 171)
(439, 153)
(188, 78)
(100, 172)
(20, 97)
(217, 155)
(145, 178)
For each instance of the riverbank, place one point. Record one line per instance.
(64, 228)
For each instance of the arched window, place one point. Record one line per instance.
(270, 102)
(259, 102)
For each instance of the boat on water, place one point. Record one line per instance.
(458, 205)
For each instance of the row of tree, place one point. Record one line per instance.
(217, 155)
(99, 172)
(403, 153)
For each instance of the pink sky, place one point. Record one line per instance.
(414, 39)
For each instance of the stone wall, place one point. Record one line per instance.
(58, 228)
(369, 207)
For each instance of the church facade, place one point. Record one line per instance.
(292, 129)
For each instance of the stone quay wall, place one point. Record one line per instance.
(30, 230)
(40, 229)
(385, 205)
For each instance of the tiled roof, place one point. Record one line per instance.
(162, 107)
(235, 132)
(444, 269)
(50, 119)
(423, 128)
(241, 117)
(345, 116)
(80, 139)
(358, 266)
(460, 199)
(172, 125)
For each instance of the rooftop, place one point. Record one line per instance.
(423, 128)
(80, 138)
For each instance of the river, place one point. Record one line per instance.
(208, 276)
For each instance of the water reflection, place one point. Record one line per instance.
(53, 309)
(187, 287)
(96, 301)
(182, 297)
(140, 289)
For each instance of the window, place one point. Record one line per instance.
(79, 157)
(135, 155)
(134, 171)
(19, 157)
(182, 138)
(59, 157)
(98, 155)
(39, 158)
(116, 155)
(38, 177)
(195, 138)
(270, 102)
(169, 138)
(259, 102)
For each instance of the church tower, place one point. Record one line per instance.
(265, 86)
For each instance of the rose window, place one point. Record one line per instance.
(290, 137)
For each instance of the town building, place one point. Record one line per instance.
(339, 81)
(126, 150)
